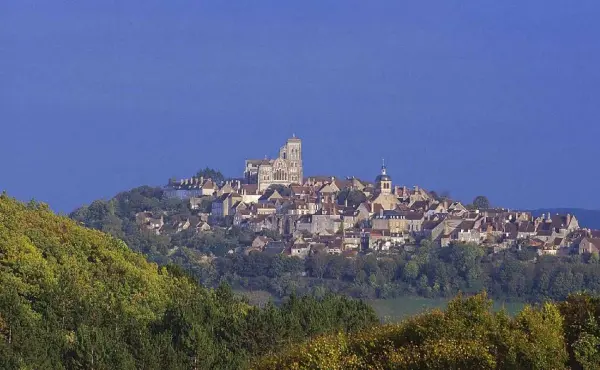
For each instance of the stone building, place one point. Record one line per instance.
(383, 191)
(286, 169)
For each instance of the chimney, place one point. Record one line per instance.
(549, 218)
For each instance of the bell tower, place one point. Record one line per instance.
(383, 181)
(294, 158)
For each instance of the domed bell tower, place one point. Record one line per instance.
(383, 181)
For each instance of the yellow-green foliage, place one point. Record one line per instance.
(41, 252)
(76, 298)
(468, 335)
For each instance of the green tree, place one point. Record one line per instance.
(481, 202)
(210, 173)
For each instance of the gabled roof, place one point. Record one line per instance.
(419, 205)
(222, 198)
(209, 184)
(466, 225)
(250, 189)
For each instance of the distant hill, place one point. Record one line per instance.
(588, 218)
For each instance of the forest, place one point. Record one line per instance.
(77, 298)
(428, 272)
(466, 335)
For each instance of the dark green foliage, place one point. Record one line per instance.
(210, 173)
(353, 197)
(481, 202)
(76, 298)
(429, 271)
(582, 330)
(467, 335)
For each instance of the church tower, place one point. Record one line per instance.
(383, 181)
(293, 152)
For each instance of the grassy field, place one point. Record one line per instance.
(390, 310)
(393, 310)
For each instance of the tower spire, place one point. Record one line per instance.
(383, 169)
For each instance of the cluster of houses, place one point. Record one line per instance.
(349, 216)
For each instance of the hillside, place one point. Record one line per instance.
(467, 335)
(77, 298)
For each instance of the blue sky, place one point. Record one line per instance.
(488, 97)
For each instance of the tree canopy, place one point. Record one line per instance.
(481, 202)
(72, 297)
(211, 173)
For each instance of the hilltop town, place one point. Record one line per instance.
(347, 216)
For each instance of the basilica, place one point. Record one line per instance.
(286, 169)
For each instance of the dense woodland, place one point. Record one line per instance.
(76, 298)
(427, 271)
(467, 335)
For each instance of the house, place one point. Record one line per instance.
(325, 220)
(225, 189)
(222, 206)
(147, 221)
(202, 226)
(303, 192)
(261, 241)
(526, 229)
(419, 206)
(364, 211)
(328, 192)
(249, 193)
(355, 184)
(589, 245)
(336, 246)
(209, 188)
(263, 209)
(427, 228)
(269, 196)
(260, 223)
(457, 209)
(318, 181)
(297, 208)
(466, 232)
(300, 248)
(398, 222)
(550, 226)
(184, 188)
(241, 215)
(258, 244)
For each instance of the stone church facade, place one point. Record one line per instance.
(286, 169)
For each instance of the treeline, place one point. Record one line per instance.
(467, 335)
(76, 298)
(427, 271)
